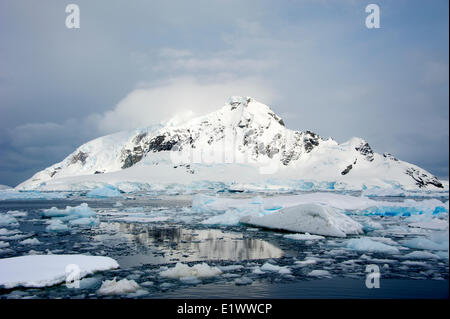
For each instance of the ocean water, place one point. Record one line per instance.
(150, 234)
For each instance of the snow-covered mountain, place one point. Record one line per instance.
(243, 144)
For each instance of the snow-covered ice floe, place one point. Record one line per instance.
(61, 219)
(310, 218)
(121, 287)
(48, 270)
(182, 271)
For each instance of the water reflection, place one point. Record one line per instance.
(165, 244)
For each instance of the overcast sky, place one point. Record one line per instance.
(135, 63)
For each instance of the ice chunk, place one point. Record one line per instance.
(30, 241)
(434, 224)
(367, 244)
(305, 236)
(274, 268)
(243, 281)
(56, 225)
(4, 244)
(311, 218)
(425, 243)
(121, 287)
(181, 270)
(104, 192)
(319, 273)
(48, 270)
(421, 255)
(7, 220)
(83, 210)
(7, 232)
(17, 213)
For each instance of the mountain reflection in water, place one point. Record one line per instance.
(159, 245)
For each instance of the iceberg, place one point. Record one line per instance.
(48, 270)
(308, 218)
(104, 192)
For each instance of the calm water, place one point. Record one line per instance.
(146, 235)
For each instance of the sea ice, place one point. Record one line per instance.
(420, 255)
(48, 270)
(181, 270)
(7, 220)
(305, 236)
(121, 287)
(30, 241)
(308, 218)
(319, 273)
(367, 244)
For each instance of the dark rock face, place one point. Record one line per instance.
(79, 157)
(423, 180)
(129, 158)
(278, 119)
(389, 156)
(365, 150)
(348, 168)
(310, 141)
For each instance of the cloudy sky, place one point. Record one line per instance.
(135, 63)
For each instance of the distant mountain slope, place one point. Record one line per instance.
(242, 142)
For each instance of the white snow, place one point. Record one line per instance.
(310, 218)
(181, 270)
(367, 244)
(48, 270)
(121, 287)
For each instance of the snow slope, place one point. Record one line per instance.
(244, 144)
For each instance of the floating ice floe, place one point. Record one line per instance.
(433, 242)
(275, 268)
(319, 273)
(61, 219)
(181, 270)
(56, 225)
(433, 224)
(420, 255)
(305, 236)
(4, 244)
(7, 220)
(30, 241)
(121, 287)
(367, 244)
(308, 218)
(48, 270)
(104, 192)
